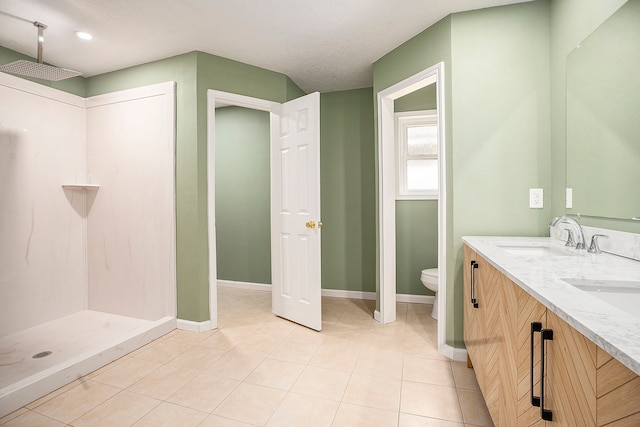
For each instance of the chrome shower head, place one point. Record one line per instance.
(39, 69)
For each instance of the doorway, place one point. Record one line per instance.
(216, 99)
(387, 197)
(294, 204)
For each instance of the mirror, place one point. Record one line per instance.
(603, 118)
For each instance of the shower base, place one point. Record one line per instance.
(79, 344)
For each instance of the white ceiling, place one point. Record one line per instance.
(321, 45)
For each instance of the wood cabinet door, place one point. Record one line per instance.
(490, 336)
(570, 384)
(472, 329)
(529, 311)
(490, 311)
(617, 393)
(508, 318)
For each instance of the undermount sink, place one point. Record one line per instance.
(623, 294)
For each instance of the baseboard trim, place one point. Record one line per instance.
(415, 299)
(336, 293)
(244, 285)
(454, 353)
(339, 293)
(189, 325)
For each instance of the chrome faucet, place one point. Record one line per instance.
(570, 221)
(594, 248)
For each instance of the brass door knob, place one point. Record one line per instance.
(311, 224)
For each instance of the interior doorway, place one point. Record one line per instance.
(217, 99)
(294, 153)
(387, 196)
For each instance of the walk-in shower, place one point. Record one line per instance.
(87, 231)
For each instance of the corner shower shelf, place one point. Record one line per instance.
(80, 186)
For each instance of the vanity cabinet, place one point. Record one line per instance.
(505, 330)
(490, 313)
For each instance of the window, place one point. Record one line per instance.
(417, 154)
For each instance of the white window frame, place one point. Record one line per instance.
(403, 120)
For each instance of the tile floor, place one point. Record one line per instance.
(257, 370)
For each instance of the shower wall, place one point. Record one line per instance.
(131, 221)
(67, 250)
(42, 273)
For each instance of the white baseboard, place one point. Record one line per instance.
(336, 293)
(453, 353)
(244, 285)
(415, 299)
(189, 325)
(376, 316)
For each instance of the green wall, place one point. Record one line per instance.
(497, 121)
(416, 243)
(501, 132)
(421, 99)
(243, 195)
(421, 52)
(347, 190)
(505, 96)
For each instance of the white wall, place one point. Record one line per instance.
(131, 222)
(42, 274)
(63, 250)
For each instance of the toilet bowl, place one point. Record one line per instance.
(429, 279)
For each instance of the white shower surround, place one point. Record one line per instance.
(42, 269)
(78, 252)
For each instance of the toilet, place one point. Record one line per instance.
(429, 278)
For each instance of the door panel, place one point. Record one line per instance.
(295, 207)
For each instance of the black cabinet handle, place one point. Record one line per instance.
(535, 327)
(474, 300)
(547, 335)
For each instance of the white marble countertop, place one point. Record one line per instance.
(539, 265)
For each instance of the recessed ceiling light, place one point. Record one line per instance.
(84, 36)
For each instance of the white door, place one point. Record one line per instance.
(295, 211)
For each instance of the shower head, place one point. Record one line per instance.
(38, 69)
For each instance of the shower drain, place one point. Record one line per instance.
(41, 355)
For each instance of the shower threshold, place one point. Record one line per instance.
(78, 344)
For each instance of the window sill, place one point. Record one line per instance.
(416, 197)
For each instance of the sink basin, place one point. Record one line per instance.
(623, 294)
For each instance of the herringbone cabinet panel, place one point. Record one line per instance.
(529, 310)
(584, 385)
(571, 375)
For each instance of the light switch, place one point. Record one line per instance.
(569, 198)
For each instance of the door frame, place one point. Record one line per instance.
(219, 98)
(387, 197)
